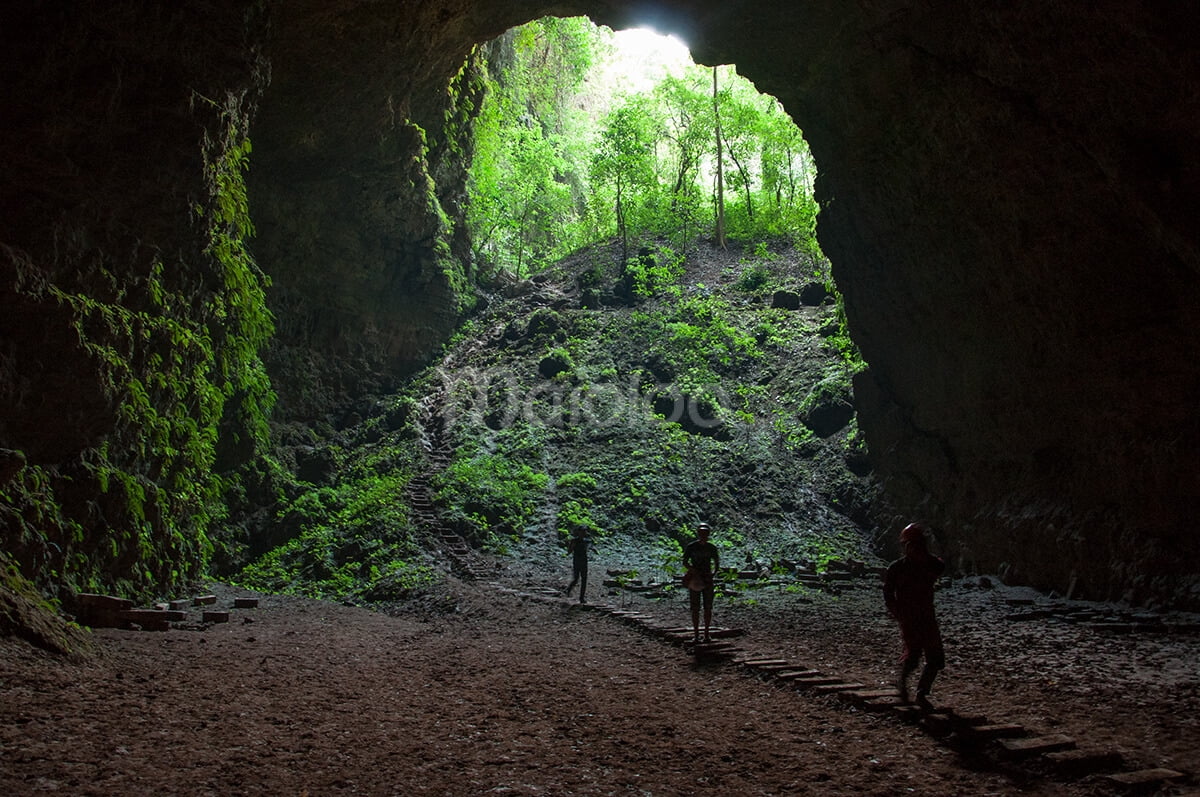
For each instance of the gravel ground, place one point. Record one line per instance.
(512, 691)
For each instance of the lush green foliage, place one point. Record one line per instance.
(355, 542)
(527, 200)
(490, 495)
(562, 160)
(178, 365)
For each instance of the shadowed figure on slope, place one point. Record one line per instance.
(908, 595)
(578, 547)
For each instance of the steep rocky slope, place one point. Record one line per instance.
(573, 401)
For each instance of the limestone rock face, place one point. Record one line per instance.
(1007, 190)
(126, 348)
(1005, 208)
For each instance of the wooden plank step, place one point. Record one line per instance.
(830, 689)
(774, 667)
(815, 680)
(886, 703)
(993, 731)
(969, 721)
(763, 662)
(1036, 745)
(787, 675)
(937, 724)
(1085, 761)
(1144, 778)
(870, 694)
(726, 633)
(715, 633)
(907, 711)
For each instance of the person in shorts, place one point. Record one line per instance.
(701, 560)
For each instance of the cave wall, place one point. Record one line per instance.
(359, 179)
(1027, 291)
(1006, 192)
(1006, 189)
(130, 315)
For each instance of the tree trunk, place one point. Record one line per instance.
(720, 233)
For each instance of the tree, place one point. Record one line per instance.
(687, 117)
(527, 183)
(624, 162)
(562, 158)
(720, 230)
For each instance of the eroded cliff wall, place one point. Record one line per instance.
(131, 316)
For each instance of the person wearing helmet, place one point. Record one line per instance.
(702, 560)
(908, 595)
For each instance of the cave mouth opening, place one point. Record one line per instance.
(587, 132)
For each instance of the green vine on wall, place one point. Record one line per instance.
(172, 345)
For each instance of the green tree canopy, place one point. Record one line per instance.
(563, 159)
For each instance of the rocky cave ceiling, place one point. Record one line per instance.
(1008, 192)
(1007, 208)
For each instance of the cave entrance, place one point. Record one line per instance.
(630, 389)
(585, 133)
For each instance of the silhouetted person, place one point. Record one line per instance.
(578, 548)
(701, 559)
(908, 594)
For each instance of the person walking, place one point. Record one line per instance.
(578, 548)
(702, 561)
(908, 595)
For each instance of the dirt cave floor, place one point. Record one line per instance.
(506, 687)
